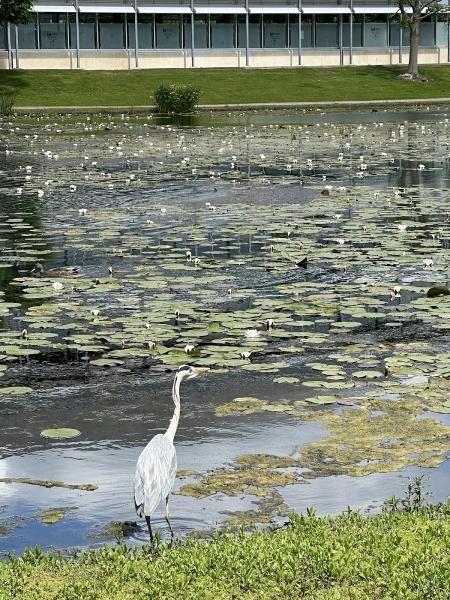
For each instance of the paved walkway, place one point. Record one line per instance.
(246, 106)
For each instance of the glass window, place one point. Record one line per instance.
(168, 32)
(275, 31)
(111, 31)
(293, 32)
(427, 31)
(145, 31)
(441, 34)
(327, 31)
(306, 31)
(27, 35)
(357, 31)
(3, 38)
(53, 31)
(254, 32)
(222, 31)
(200, 32)
(395, 33)
(87, 32)
(375, 31)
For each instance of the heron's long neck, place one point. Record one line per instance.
(172, 429)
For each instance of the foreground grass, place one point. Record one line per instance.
(132, 88)
(399, 556)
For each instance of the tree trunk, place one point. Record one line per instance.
(413, 67)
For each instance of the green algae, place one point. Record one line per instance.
(387, 436)
(54, 515)
(48, 483)
(253, 481)
(265, 461)
(268, 509)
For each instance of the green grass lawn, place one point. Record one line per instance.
(392, 556)
(132, 88)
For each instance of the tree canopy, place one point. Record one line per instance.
(15, 12)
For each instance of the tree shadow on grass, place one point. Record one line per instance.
(12, 81)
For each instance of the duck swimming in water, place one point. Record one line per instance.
(57, 272)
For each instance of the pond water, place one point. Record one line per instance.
(289, 252)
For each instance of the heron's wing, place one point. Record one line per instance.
(155, 474)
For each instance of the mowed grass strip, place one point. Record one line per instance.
(395, 556)
(223, 86)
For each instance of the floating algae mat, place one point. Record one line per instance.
(295, 255)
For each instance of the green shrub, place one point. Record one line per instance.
(389, 556)
(172, 98)
(7, 102)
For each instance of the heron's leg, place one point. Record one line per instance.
(147, 519)
(167, 517)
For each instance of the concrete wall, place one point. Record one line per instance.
(3, 59)
(167, 59)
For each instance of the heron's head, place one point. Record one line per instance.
(186, 372)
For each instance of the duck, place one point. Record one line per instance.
(57, 272)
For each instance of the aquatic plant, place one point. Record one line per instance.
(175, 98)
(7, 103)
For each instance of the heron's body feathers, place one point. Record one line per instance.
(155, 474)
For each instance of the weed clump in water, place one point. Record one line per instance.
(177, 99)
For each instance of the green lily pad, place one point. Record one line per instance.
(286, 380)
(60, 434)
(16, 390)
(367, 374)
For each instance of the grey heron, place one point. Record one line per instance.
(157, 464)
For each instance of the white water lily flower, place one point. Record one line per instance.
(95, 312)
(245, 354)
(72, 187)
(402, 227)
(189, 348)
(82, 212)
(428, 263)
(57, 285)
(252, 333)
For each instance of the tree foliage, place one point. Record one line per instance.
(15, 12)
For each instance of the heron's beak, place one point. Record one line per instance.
(200, 370)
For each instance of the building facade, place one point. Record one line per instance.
(130, 34)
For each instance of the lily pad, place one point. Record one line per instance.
(15, 390)
(61, 433)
